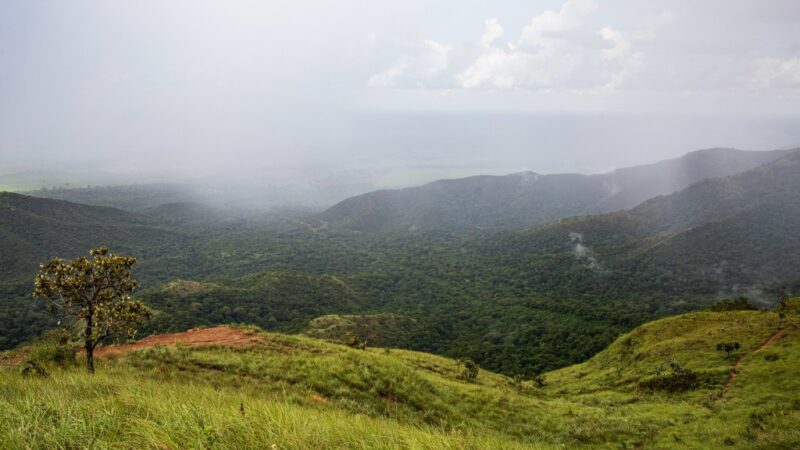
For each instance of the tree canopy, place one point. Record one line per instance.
(93, 293)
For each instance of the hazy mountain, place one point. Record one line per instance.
(722, 233)
(35, 229)
(527, 198)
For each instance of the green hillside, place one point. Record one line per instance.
(708, 238)
(33, 230)
(296, 392)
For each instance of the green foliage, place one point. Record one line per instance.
(672, 377)
(736, 304)
(56, 348)
(789, 306)
(728, 347)
(298, 392)
(31, 368)
(470, 369)
(379, 330)
(539, 380)
(350, 340)
(93, 293)
(523, 301)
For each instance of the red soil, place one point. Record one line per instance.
(198, 337)
(738, 365)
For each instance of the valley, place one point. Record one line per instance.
(519, 301)
(307, 225)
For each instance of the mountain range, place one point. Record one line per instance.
(527, 198)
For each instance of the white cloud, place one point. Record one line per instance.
(777, 73)
(556, 50)
(628, 60)
(492, 32)
(569, 17)
(388, 77)
(419, 67)
(575, 49)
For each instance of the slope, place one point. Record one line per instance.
(713, 236)
(296, 392)
(34, 230)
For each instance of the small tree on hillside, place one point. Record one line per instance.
(93, 293)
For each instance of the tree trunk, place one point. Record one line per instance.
(89, 358)
(88, 343)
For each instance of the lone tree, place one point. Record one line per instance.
(94, 293)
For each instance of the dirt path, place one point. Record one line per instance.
(738, 365)
(199, 337)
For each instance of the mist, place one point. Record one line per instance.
(314, 101)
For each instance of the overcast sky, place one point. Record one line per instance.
(577, 85)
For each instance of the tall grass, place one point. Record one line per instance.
(300, 393)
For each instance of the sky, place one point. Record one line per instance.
(390, 93)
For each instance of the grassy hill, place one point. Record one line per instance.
(296, 392)
(526, 199)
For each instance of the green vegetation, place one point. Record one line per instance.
(93, 294)
(297, 392)
(518, 302)
(379, 330)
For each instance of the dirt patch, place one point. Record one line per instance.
(770, 341)
(11, 360)
(199, 337)
(316, 398)
(738, 365)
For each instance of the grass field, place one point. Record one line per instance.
(297, 392)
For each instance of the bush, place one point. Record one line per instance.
(471, 369)
(33, 369)
(54, 347)
(728, 347)
(672, 378)
(350, 340)
(788, 306)
(735, 304)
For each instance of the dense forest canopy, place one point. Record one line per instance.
(516, 301)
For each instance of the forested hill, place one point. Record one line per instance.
(35, 229)
(714, 236)
(525, 199)
(515, 301)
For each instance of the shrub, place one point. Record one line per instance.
(735, 304)
(728, 347)
(33, 369)
(788, 306)
(350, 340)
(470, 369)
(672, 378)
(54, 347)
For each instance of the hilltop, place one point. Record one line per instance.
(298, 392)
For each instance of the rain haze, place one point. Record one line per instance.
(344, 97)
